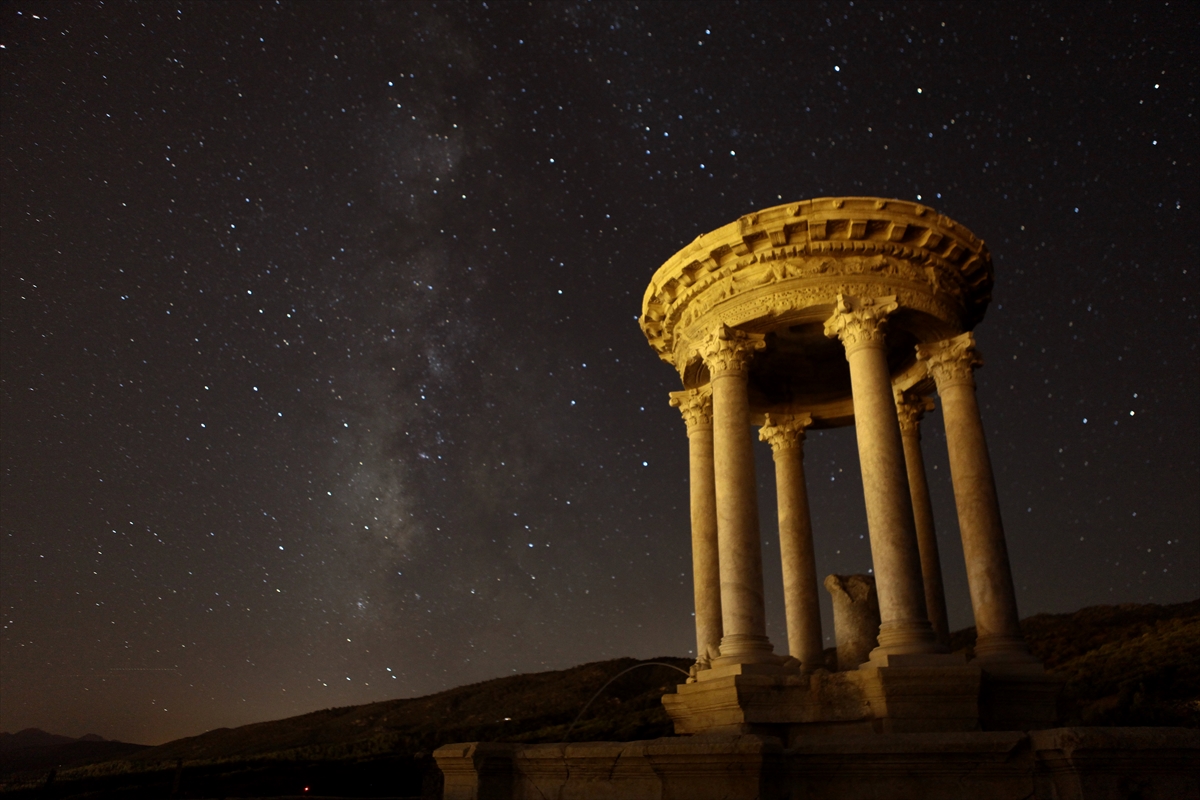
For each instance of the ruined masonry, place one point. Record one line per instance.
(819, 314)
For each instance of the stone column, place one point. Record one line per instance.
(989, 576)
(727, 354)
(905, 628)
(911, 408)
(785, 434)
(696, 407)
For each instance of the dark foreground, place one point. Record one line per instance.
(1057, 764)
(1130, 665)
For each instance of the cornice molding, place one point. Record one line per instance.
(818, 241)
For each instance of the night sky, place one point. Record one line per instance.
(322, 379)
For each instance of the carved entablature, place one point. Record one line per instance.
(770, 266)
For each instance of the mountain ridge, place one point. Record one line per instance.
(1127, 664)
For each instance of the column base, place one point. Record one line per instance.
(903, 637)
(743, 648)
(996, 649)
(782, 667)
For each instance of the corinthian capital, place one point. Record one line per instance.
(696, 407)
(951, 361)
(859, 321)
(784, 431)
(728, 350)
(910, 408)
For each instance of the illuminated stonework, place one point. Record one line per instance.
(782, 268)
(818, 314)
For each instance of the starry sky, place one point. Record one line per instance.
(322, 381)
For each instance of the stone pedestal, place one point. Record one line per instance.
(1018, 696)
(752, 698)
(1058, 764)
(897, 693)
(921, 693)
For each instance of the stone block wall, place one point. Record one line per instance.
(1056, 764)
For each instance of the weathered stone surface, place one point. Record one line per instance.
(920, 697)
(477, 770)
(1020, 696)
(929, 766)
(774, 265)
(1117, 763)
(855, 618)
(744, 698)
(1058, 764)
(819, 314)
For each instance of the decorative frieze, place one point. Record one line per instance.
(902, 243)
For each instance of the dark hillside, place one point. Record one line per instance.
(35, 752)
(1124, 665)
(518, 708)
(392, 738)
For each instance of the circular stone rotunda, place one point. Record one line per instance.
(819, 314)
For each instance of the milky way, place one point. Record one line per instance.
(322, 381)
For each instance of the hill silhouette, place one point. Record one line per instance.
(1123, 665)
(34, 751)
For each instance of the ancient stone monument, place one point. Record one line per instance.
(838, 311)
(819, 314)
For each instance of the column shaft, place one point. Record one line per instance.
(800, 595)
(989, 575)
(743, 614)
(801, 601)
(696, 407)
(905, 627)
(910, 411)
(705, 565)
